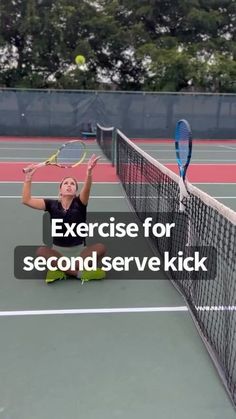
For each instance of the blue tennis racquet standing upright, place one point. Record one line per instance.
(183, 147)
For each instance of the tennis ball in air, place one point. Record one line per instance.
(80, 59)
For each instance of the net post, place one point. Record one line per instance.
(114, 138)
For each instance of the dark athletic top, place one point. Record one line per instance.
(76, 213)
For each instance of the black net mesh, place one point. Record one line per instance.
(150, 188)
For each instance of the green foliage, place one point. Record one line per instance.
(174, 45)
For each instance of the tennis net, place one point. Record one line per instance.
(153, 188)
(105, 139)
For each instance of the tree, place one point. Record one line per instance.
(146, 45)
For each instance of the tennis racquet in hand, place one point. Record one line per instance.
(183, 148)
(70, 154)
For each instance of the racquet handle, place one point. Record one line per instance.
(30, 169)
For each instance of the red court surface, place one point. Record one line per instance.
(212, 173)
(10, 171)
(104, 172)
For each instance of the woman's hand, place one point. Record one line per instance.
(85, 191)
(32, 168)
(92, 163)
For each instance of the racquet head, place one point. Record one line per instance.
(70, 154)
(183, 146)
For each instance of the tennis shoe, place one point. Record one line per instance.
(92, 275)
(53, 276)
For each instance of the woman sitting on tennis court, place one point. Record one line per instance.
(72, 209)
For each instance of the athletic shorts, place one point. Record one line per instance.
(69, 252)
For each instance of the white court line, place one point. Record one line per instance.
(221, 163)
(9, 160)
(231, 163)
(107, 197)
(228, 147)
(111, 183)
(43, 148)
(94, 183)
(92, 311)
(100, 311)
(210, 183)
(158, 197)
(195, 151)
(40, 158)
(164, 150)
(216, 308)
(56, 196)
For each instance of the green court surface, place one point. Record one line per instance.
(99, 365)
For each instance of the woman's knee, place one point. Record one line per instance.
(101, 249)
(41, 251)
(45, 252)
